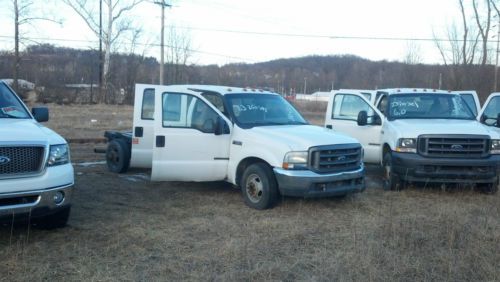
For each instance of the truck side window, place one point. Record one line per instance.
(382, 105)
(187, 111)
(216, 100)
(148, 104)
(346, 106)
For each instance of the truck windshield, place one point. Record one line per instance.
(428, 106)
(10, 106)
(251, 110)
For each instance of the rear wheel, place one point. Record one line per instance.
(391, 179)
(259, 187)
(118, 156)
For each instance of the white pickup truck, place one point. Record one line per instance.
(253, 139)
(420, 135)
(36, 176)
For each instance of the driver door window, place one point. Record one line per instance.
(187, 111)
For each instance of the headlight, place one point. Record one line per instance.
(58, 155)
(495, 146)
(295, 160)
(407, 145)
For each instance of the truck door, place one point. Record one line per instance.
(471, 99)
(186, 147)
(143, 131)
(490, 111)
(342, 116)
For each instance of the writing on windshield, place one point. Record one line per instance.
(262, 109)
(428, 106)
(10, 106)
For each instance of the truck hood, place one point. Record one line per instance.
(410, 128)
(27, 130)
(300, 137)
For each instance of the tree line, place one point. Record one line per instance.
(54, 67)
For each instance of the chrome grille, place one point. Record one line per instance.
(21, 160)
(335, 158)
(454, 146)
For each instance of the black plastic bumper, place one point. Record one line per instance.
(309, 184)
(414, 167)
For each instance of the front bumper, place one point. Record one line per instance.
(414, 167)
(33, 204)
(306, 183)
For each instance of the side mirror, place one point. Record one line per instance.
(220, 126)
(41, 114)
(498, 120)
(362, 118)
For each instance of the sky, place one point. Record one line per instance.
(229, 31)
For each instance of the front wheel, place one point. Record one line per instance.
(488, 188)
(58, 219)
(259, 187)
(391, 179)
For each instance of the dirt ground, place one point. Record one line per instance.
(124, 227)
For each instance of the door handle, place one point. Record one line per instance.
(160, 141)
(329, 126)
(138, 131)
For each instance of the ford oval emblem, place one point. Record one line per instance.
(341, 158)
(4, 160)
(457, 147)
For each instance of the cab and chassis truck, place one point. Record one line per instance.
(251, 138)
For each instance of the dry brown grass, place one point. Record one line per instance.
(88, 121)
(124, 227)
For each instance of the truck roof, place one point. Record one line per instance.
(217, 88)
(413, 90)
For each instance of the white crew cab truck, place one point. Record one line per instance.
(420, 136)
(253, 139)
(36, 176)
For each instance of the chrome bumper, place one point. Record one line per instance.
(35, 203)
(306, 183)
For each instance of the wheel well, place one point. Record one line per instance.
(385, 149)
(244, 164)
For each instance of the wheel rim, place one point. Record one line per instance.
(254, 188)
(113, 156)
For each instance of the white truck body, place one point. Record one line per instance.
(452, 161)
(203, 133)
(36, 176)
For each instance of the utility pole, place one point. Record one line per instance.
(305, 85)
(496, 61)
(163, 5)
(100, 54)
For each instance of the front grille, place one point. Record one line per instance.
(21, 160)
(454, 146)
(335, 158)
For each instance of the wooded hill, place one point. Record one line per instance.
(54, 67)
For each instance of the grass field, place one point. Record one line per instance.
(123, 227)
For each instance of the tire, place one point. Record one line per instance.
(392, 181)
(55, 220)
(488, 188)
(118, 156)
(259, 187)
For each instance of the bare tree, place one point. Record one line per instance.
(178, 53)
(23, 15)
(483, 24)
(412, 56)
(114, 26)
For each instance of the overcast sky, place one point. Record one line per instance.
(227, 31)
